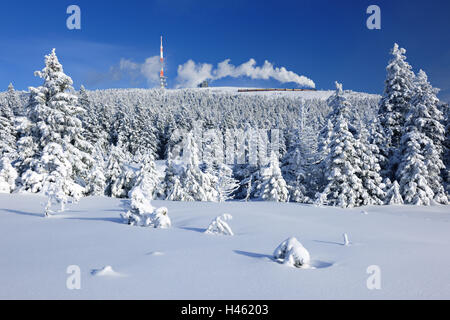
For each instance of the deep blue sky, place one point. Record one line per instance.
(323, 40)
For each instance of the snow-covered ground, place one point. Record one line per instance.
(410, 245)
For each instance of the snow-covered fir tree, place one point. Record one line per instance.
(300, 161)
(97, 179)
(271, 185)
(419, 172)
(213, 162)
(114, 168)
(8, 176)
(184, 181)
(393, 196)
(342, 165)
(55, 135)
(124, 183)
(295, 174)
(147, 180)
(14, 102)
(226, 184)
(394, 106)
(446, 172)
(143, 133)
(372, 182)
(7, 130)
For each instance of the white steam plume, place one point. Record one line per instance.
(191, 74)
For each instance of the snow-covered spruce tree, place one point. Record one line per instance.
(184, 181)
(143, 134)
(213, 163)
(226, 184)
(271, 185)
(430, 123)
(421, 162)
(393, 195)
(412, 170)
(300, 162)
(342, 165)
(7, 131)
(147, 180)
(97, 179)
(58, 171)
(13, 102)
(394, 106)
(375, 136)
(8, 176)
(114, 168)
(92, 131)
(124, 183)
(121, 131)
(248, 164)
(293, 170)
(446, 171)
(55, 132)
(372, 182)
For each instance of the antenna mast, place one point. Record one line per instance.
(162, 78)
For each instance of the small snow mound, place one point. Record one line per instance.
(220, 226)
(292, 253)
(156, 253)
(364, 212)
(106, 271)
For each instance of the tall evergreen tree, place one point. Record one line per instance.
(184, 181)
(271, 186)
(7, 131)
(394, 106)
(351, 169)
(13, 102)
(55, 132)
(419, 172)
(147, 180)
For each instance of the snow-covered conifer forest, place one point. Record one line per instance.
(338, 148)
(281, 163)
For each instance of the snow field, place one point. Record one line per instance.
(409, 244)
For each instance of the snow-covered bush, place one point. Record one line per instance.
(143, 214)
(140, 209)
(292, 253)
(220, 226)
(160, 219)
